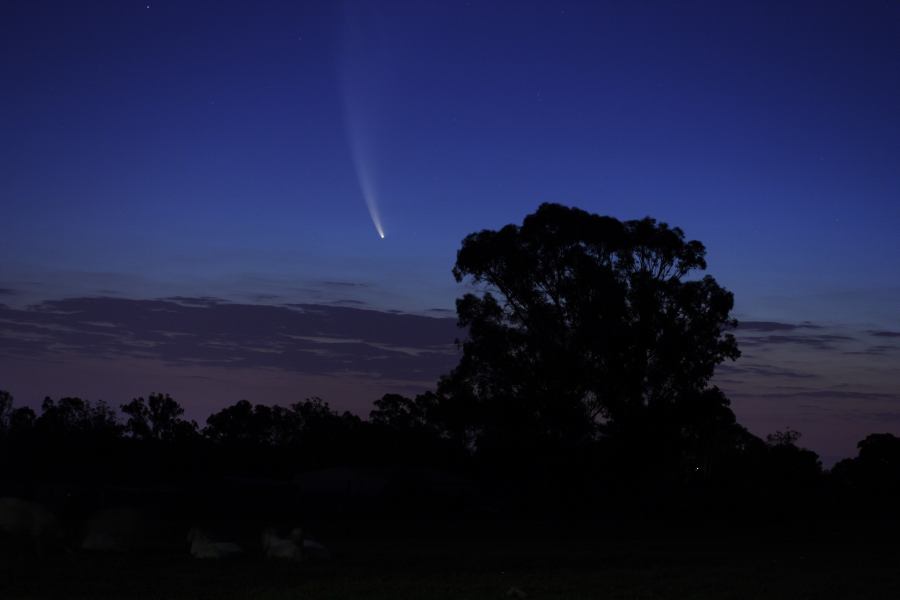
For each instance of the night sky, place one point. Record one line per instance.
(191, 193)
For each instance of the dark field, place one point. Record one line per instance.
(484, 569)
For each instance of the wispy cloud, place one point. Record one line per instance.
(826, 394)
(884, 333)
(308, 338)
(879, 350)
(823, 341)
(344, 284)
(763, 370)
(773, 326)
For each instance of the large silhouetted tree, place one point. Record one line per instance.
(587, 324)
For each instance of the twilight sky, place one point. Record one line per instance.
(190, 191)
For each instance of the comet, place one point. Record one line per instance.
(364, 174)
(363, 76)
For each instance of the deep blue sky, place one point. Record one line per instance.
(156, 148)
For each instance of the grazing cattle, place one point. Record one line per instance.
(279, 547)
(311, 548)
(24, 521)
(203, 547)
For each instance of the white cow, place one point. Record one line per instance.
(27, 520)
(311, 548)
(279, 547)
(203, 547)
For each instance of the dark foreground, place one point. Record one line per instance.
(484, 569)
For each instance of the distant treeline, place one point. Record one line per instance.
(77, 444)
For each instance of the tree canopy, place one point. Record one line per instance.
(584, 325)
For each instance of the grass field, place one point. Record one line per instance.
(484, 569)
